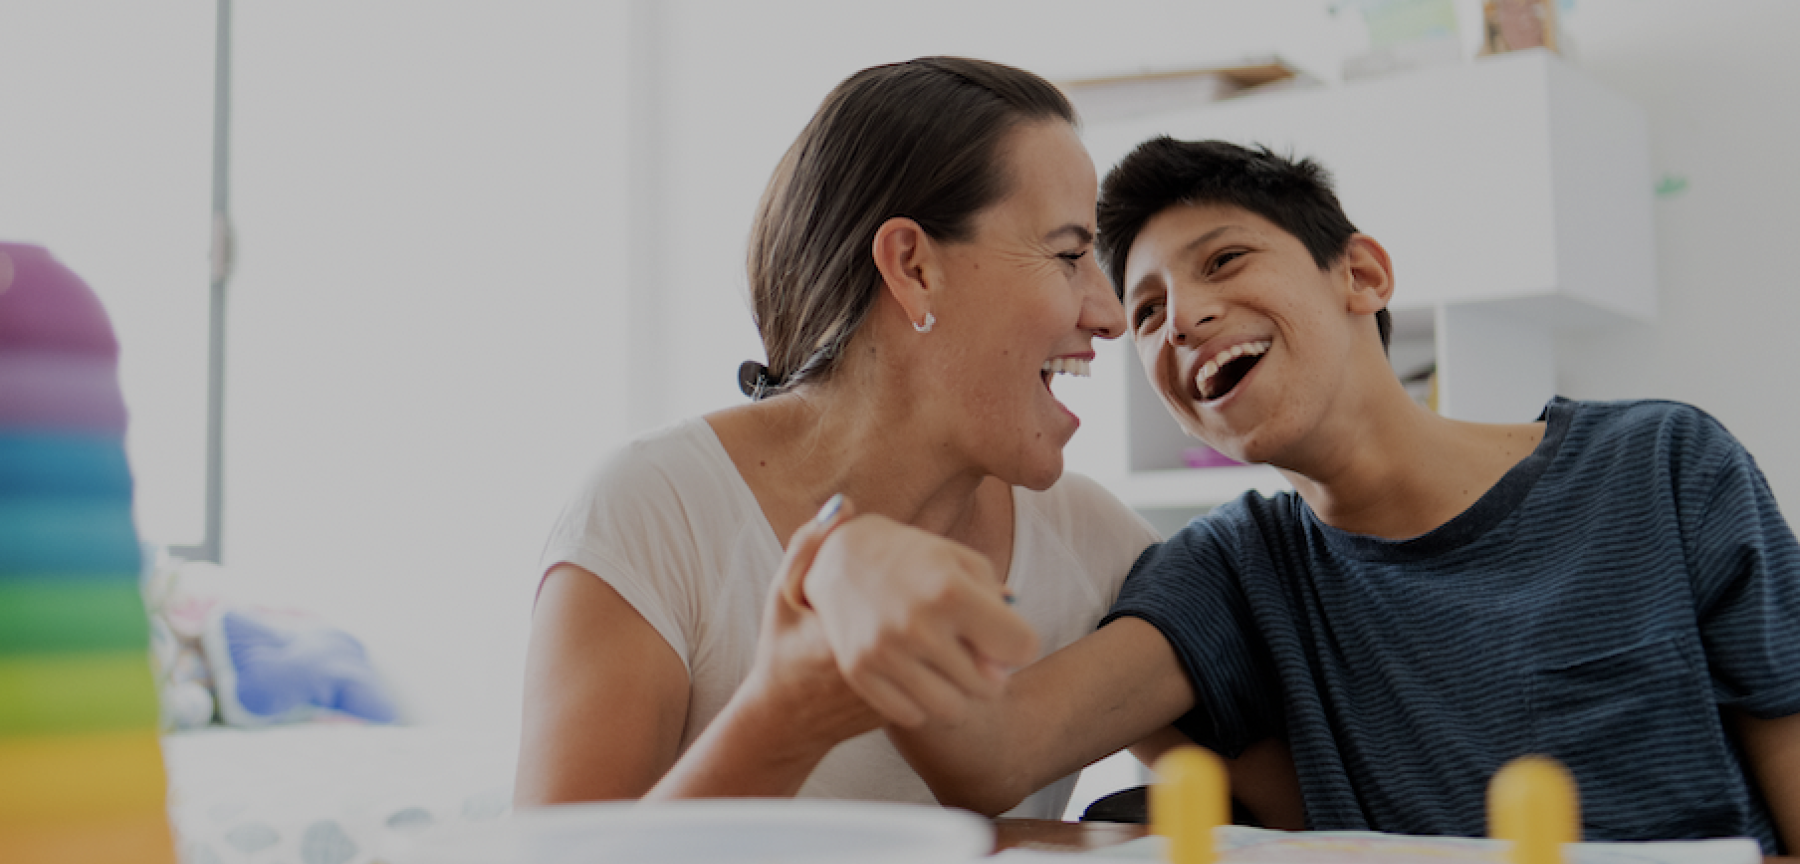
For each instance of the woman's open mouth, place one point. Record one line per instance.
(1064, 366)
(1221, 374)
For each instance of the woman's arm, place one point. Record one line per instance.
(919, 624)
(606, 699)
(605, 696)
(792, 709)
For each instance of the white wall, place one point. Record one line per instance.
(428, 318)
(1715, 80)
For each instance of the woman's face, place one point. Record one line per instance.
(1023, 300)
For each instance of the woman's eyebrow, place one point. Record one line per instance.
(1081, 233)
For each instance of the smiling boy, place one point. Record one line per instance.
(1611, 584)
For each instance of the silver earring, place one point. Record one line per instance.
(930, 320)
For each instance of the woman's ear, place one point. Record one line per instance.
(905, 255)
(1371, 275)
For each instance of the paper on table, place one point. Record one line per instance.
(1258, 846)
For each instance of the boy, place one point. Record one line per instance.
(1611, 584)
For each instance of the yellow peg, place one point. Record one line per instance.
(1533, 803)
(1189, 800)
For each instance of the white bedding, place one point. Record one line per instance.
(328, 794)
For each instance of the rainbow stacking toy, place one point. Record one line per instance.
(81, 771)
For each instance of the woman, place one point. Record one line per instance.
(920, 268)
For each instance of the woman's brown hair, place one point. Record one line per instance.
(919, 139)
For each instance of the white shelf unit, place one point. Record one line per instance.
(1514, 195)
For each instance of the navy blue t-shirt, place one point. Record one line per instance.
(1600, 604)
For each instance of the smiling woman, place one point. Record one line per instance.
(921, 266)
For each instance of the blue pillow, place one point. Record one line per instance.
(271, 667)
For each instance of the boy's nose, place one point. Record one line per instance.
(1186, 312)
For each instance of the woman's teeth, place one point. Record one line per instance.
(1067, 366)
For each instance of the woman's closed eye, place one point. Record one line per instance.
(1073, 257)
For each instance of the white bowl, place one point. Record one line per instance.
(730, 831)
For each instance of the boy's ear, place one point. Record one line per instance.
(1371, 275)
(906, 257)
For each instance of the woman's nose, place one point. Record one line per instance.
(1101, 311)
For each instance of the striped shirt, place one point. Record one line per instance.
(1599, 604)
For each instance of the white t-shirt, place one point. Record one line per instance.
(670, 524)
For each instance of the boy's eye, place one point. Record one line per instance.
(1144, 312)
(1223, 258)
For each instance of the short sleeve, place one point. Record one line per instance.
(626, 525)
(1188, 589)
(1745, 565)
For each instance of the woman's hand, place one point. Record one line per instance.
(795, 666)
(792, 708)
(919, 624)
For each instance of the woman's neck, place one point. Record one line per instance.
(797, 450)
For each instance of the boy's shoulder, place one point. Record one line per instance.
(1627, 410)
(1250, 519)
(1663, 424)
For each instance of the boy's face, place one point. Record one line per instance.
(1240, 332)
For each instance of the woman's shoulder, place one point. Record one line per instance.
(678, 471)
(658, 457)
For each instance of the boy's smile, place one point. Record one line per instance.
(1226, 369)
(1241, 333)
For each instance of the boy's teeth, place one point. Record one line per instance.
(1211, 367)
(1067, 366)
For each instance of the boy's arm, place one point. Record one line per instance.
(1106, 691)
(1262, 778)
(1774, 750)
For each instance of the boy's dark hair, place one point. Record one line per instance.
(1163, 172)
